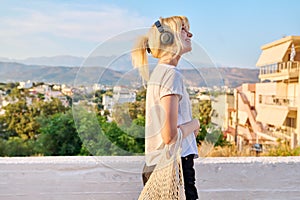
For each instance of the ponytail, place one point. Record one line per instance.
(139, 57)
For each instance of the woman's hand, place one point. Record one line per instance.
(196, 131)
(192, 126)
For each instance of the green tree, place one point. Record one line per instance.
(121, 114)
(202, 111)
(100, 137)
(58, 135)
(212, 135)
(94, 141)
(20, 115)
(16, 146)
(207, 132)
(98, 98)
(17, 118)
(124, 141)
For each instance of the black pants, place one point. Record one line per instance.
(188, 176)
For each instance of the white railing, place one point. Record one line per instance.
(290, 66)
(279, 100)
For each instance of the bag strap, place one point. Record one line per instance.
(179, 140)
(177, 143)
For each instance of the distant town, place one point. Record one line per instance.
(256, 114)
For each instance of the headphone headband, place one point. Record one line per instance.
(159, 26)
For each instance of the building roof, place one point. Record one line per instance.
(280, 41)
(275, 51)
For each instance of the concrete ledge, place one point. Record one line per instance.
(89, 178)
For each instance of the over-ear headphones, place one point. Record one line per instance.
(166, 37)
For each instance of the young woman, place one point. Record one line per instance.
(167, 102)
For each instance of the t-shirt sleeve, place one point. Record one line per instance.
(172, 83)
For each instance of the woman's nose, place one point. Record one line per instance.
(189, 34)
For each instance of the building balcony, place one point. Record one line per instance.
(280, 71)
(280, 133)
(284, 101)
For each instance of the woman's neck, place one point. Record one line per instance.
(170, 60)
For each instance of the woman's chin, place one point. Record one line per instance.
(186, 50)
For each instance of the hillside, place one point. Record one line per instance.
(210, 77)
(15, 72)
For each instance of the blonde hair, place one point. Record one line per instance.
(152, 41)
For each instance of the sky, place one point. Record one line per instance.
(231, 31)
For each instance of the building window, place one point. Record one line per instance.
(290, 122)
(260, 98)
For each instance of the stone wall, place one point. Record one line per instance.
(97, 178)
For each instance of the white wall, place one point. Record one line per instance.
(97, 178)
(220, 108)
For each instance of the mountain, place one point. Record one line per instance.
(71, 61)
(16, 72)
(234, 77)
(118, 73)
(62, 60)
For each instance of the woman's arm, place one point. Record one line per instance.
(189, 127)
(169, 104)
(169, 130)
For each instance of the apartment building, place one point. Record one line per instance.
(270, 110)
(222, 107)
(121, 94)
(278, 101)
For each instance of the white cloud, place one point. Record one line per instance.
(56, 24)
(85, 25)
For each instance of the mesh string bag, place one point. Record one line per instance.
(166, 181)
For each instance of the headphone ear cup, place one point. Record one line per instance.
(166, 38)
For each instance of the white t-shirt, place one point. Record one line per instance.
(165, 80)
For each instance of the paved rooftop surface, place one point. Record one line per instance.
(97, 178)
